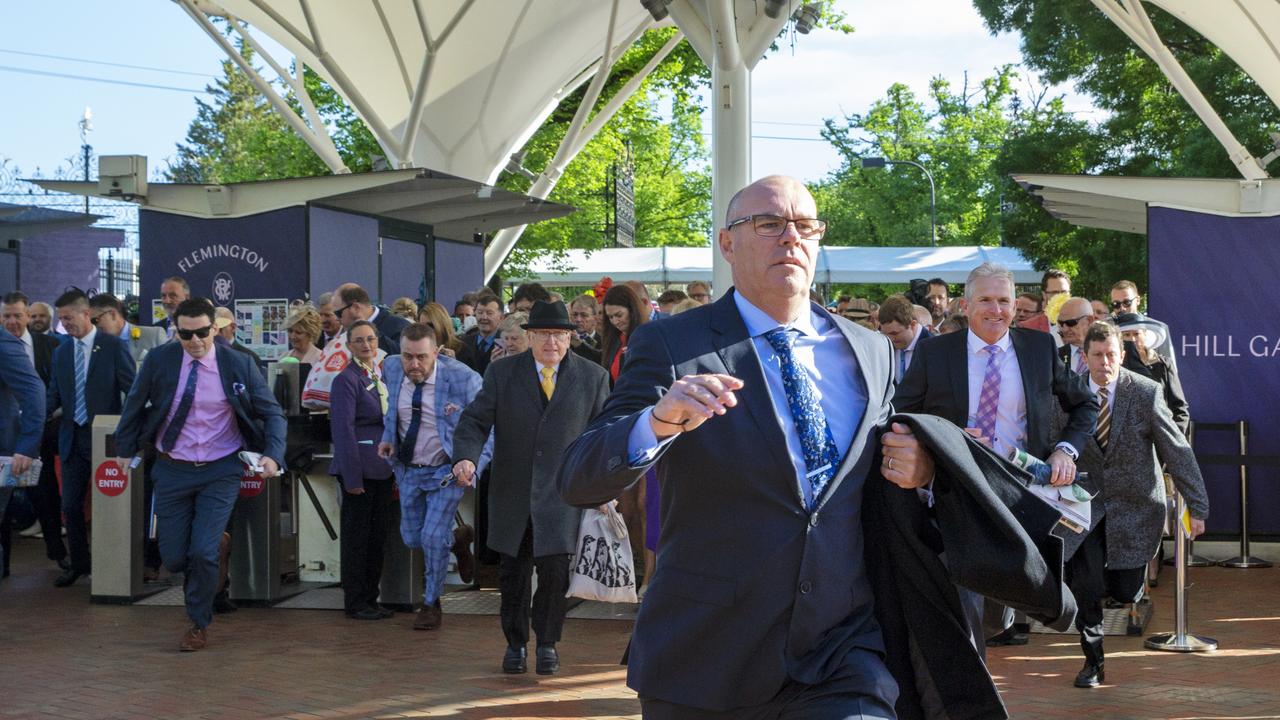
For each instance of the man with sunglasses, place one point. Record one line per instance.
(352, 303)
(1125, 299)
(107, 312)
(1074, 319)
(199, 404)
(91, 373)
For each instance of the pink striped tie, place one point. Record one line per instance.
(989, 396)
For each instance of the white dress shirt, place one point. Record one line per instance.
(87, 342)
(903, 357)
(29, 345)
(1011, 411)
(1111, 391)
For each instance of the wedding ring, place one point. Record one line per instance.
(889, 464)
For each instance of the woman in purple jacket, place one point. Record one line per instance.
(357, 402)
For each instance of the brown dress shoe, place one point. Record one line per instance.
(428, 618)
(462, 537)
(193, 639)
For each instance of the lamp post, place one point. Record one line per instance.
(879, 162)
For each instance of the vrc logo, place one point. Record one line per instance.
(224, 288)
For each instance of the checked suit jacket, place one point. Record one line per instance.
(456, 387)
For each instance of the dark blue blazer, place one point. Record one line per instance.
(258, 415)
(751, 589)
(111, 372)
(22, 400)
(355, 415)
(389, 328)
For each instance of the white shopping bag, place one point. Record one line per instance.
(336, 356)
(602, 567)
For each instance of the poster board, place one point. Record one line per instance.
(260, 326)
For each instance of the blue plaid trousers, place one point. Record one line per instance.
(426, 520)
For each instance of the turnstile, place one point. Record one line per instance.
(118, 521)
(264, 540)
(402, 577)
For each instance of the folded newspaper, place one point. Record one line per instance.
(253, 463)
(30, 478)
(1073, 501)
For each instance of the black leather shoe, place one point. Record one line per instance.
(1008, 636)
(384, 612)
(548, 660)
(64, 564)
(515, 661)
(365, 614)
(1090, 676)
(68, 578)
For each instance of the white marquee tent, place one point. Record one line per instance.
(835, 265)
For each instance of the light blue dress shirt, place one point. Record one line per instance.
(828, 359)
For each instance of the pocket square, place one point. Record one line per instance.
(237, 388)
(451, 408)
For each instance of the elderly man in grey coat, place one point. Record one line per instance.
(536, 403)
(1134, 429)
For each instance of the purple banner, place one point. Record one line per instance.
(459, 270)
(1213, 281)
(259, 256)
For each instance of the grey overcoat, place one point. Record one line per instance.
(528, 442)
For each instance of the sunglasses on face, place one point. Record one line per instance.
(1073, 321)
(201, 333)
(1117, 304)
(338, 313)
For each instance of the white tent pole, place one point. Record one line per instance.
(724, 31)
(691, 24)
(1135, 23)
(760, 37)
(386, 139)
(327, 152)
(730, 130)
(504, 240)
(419, 100)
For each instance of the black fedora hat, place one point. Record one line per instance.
(548, 316)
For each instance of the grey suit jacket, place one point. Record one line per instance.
(530, 435)
(1131, 484)
(149, 338)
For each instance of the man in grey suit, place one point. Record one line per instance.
(1128, 522)
(536, 403)
(107, 312)
(761, 412)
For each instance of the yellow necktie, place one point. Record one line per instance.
(548, 381)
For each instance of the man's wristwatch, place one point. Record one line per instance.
(1070, 451)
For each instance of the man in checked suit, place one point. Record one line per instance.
(762, 412)
(427, 394)
(1000, 384)
(1129, 513)
(91, 373)
(535, 403)
(199, 404)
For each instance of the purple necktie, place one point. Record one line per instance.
(1081, 366)
(989, 396)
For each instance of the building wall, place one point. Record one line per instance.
(51, 262)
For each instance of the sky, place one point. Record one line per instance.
(826, 75)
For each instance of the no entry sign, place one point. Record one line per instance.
(109, 480)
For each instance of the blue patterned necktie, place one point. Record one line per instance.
(410, 443)
(821, 456)
(82, 376)
(172, 432)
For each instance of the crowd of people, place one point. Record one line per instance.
(766, 596)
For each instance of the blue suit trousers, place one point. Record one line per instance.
(193, 504)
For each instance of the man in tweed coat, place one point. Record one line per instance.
(1135, 428)
(536, 403)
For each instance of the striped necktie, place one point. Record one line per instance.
(82, 377)
(1103, 432)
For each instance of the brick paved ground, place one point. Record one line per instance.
(62, 657)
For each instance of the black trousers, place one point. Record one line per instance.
(47, 499)
(366, 520)
(861, 687)
(515, 582)
(1091, 581)
(76, 469)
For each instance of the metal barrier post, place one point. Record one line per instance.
(1244, 560)
(1180, 640)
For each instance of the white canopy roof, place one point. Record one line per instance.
(835, 265)
(1246, 30)
(492, 70)
(1120, 203)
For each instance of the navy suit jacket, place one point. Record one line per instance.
(258, 415)
(751, 589)
(111, 372)
(389, 328)
(355, 416)
(22, 400)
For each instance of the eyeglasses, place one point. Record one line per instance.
(201, 333)
(1073, 321)
(775, 226)
(363, 340)
(338, 313)
(560, 336)
(1127, 302)
(95, 318)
